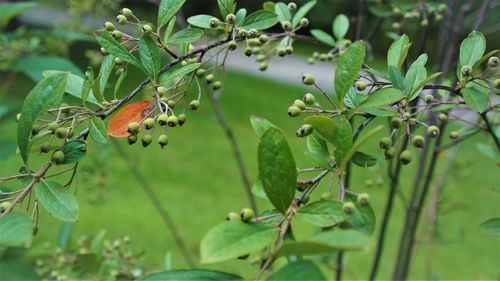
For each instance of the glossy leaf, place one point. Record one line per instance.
(115, 48)
(396, 77)
(398, 51)
(74, 150)
(191, 274)
(283, 13)
(74, 85)
(176, 73)
(342, 139)
(382, 111)
(348, 68)
(340, 26)
(260, 125)
(167, 9)
(88, 82)
(471, 50)
(226, 7)
(356, 146)
(202, 21)
(421, 85)
(235, 238)
(300, 270)
(322, 213)
(186, 36)
(277, 169)
(34, 66)
(302, 12)
(98, 131)
(134, 112)
(107, 65)
(46, 94)
(363, 160)
(362, 218)
(415, 75)
(150, 56)
(318, 150)
(260, 20)
(258, 189)
(240, 16)
(491, 226)
(323, 125)
(323, 37)
(16, 230)
(10, 10)
(119, 81)
(385, 96)
(57, 200)
(476, 98)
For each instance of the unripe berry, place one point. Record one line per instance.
(246, 214)
(103, 51)
(232, 216)
(418, 141)
(163, 140)
(181, 119)
(289, 50)
(385, 142)
(466, 71)
(132, 139)
(119, 61)
(146, 140)
(194, 104)
(292, 7)
(61, 133)
(52, 126)
(171, 104)
(248, 51)
(442, 7)
(35, 129)
(429, 98)
(232, 45)
(230, 18)
(396, 122)
(133, 128)
(493, 62)
(304, 130)
(213, 22)
(58, 157)
(200, 72)
(304, 22)
(454, 135)
(309, 99)
(161, 90)
(300, 104)
(263, 38)
(424, 23)
(326, 196)
(109, 26)
(287, 26)
(348, 207)
(243, 33)
(311, 60)
(121, 19)
(363, 199)
(172, 121)
(439, 17)
(263, 66)
(322, 57)
(149, 123)
(252, 33)
(127, 12)
(45, 147)
(217, 85)
(361, 85)
(209, 78)
(405, 157)
(496, 83)
(308, 79)
(433, 131)
(293, 111)
(442, 117)
(281, 52)
(162, 119)
(396, 12)
(147, 29)
(255, 50)
(396, 26)
(389, 153)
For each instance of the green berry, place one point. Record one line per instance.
(194, 104)
(466, 71)
(396, 26)
(230, 18)
(243, 33)
(289, 50)
(132, 139)
(58, 157)
(209, 78)
(496, 83)
(252, 33)
(246, 214)
(232, 45)
(287, 26)
(385, 142)
(442, 7)
(162, 119)
(429, 98)
(424, 23)
(181, 119)
(127, 12)
(109, 26)
(292, 7)
(308, 79)
(311, 60)
(300, 104)
(162, 91)
(103, 51)
(217, 85)
(255, 50)
(396, 12)
(493, 62)
(293, 111)
(35, 129)
(232, 216)
(214, 22)
(418, 141)
(405, 157)
(117, 34)
(361, 85)
(61, 133)
(326, 196)
(163, 140)
(323, 57)
(439, 17)
(121, 19)
(304, 131)
(263, 66)
(389, 153)
(396, 122)
(348, 207)
(433, 131)
(247, 51)
(200, 72)
(263, 38)
(281, 52)
(309, 99)
(442, 117)
(52, 126)
(119, 61)
(147, 29)
(454, 135)
(149, 123)
(133, 128)
(172, 121)
(146, 140)
(171, 104)
(304, 22)
(45, 147)
(363, 199)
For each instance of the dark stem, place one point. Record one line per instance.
(490, 130)
(338, 271)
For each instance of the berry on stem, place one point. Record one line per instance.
(232, 216)
(246, 214)
(405, 157)
(389, 153)
(58, 157)
(418, 141)
(172, 121)
(293, 111)
(133, 128)
(300, 104)
(309, 99)
(146, 140)
(304, 130)
(348, 207)
(433, 131)
(385, 142)
(181, 119)
(308, 79)
(363, 199)
(121, 19)
(149, 123)
(162, 119)
(163, 140)
(194, 104)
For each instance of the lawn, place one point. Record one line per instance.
(197, 180)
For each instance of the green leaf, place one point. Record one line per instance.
(240, 16)
(65, 235)
(471, 50)
(258, 189)
(150, 56)
(202, 21)
(300, 270)
(98, 130)
(34, 66)
(119, 81)
(362, 218)
(186, 36)
(322, 213)
(340, 26)
(46, 94)
(233, 239)
(260, 20)
(323, 125)
(382, 111)
(277, 169)
(226, 7)
(74, 85)
(476, 98)
(348, 68)
(302, 12)
(167, 9)
(421, 85)
(114, 47)
(385, 96)
(57, 200)
(191, 274)
(282, 11)
(97, 245)
(177, 72)
(323, 37)
(107, 66)
(318, 150)
(260, 125)
(342, 139)
(396, 77)
(74, 150)
(16, 230)
(88, 82)
(491, 226)
(415, 75)
(363, 160)
(359, 142)
(398, 51)
(10, 10)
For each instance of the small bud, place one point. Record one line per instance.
(418, 141)
(304, 22)
(348, 207)
(466, 71)
(217, 85)
(405, 157)
(162, 119)
(147, 29)
(232, 45)
(396, 122)
(127, 12)
(433, 131)
(163, 140)
(121, 19)
(389, 153)
(246, 214)
(263, 38)
(148, 123)
(493, 62)
(109, 26)
(18, 116)
(132, 139)
(287, 26)
(194, 104)
(304, 130)
(361, 85)
(292, 7)
(181, 119)
(293, 111)
(146, 140)
(429, 98)
(326, 196)
(230, 18)
(363, 199)
(133, 128)
(385, 142)
(58, 157)
(214, 22)
(232, 216)
(300, 104)
(308, 79)
(309, 99)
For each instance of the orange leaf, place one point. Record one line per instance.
(133, 112)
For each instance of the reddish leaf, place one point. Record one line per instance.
(133, 112)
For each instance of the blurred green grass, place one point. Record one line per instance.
(197, 180)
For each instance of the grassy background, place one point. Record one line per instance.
(197, 180)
